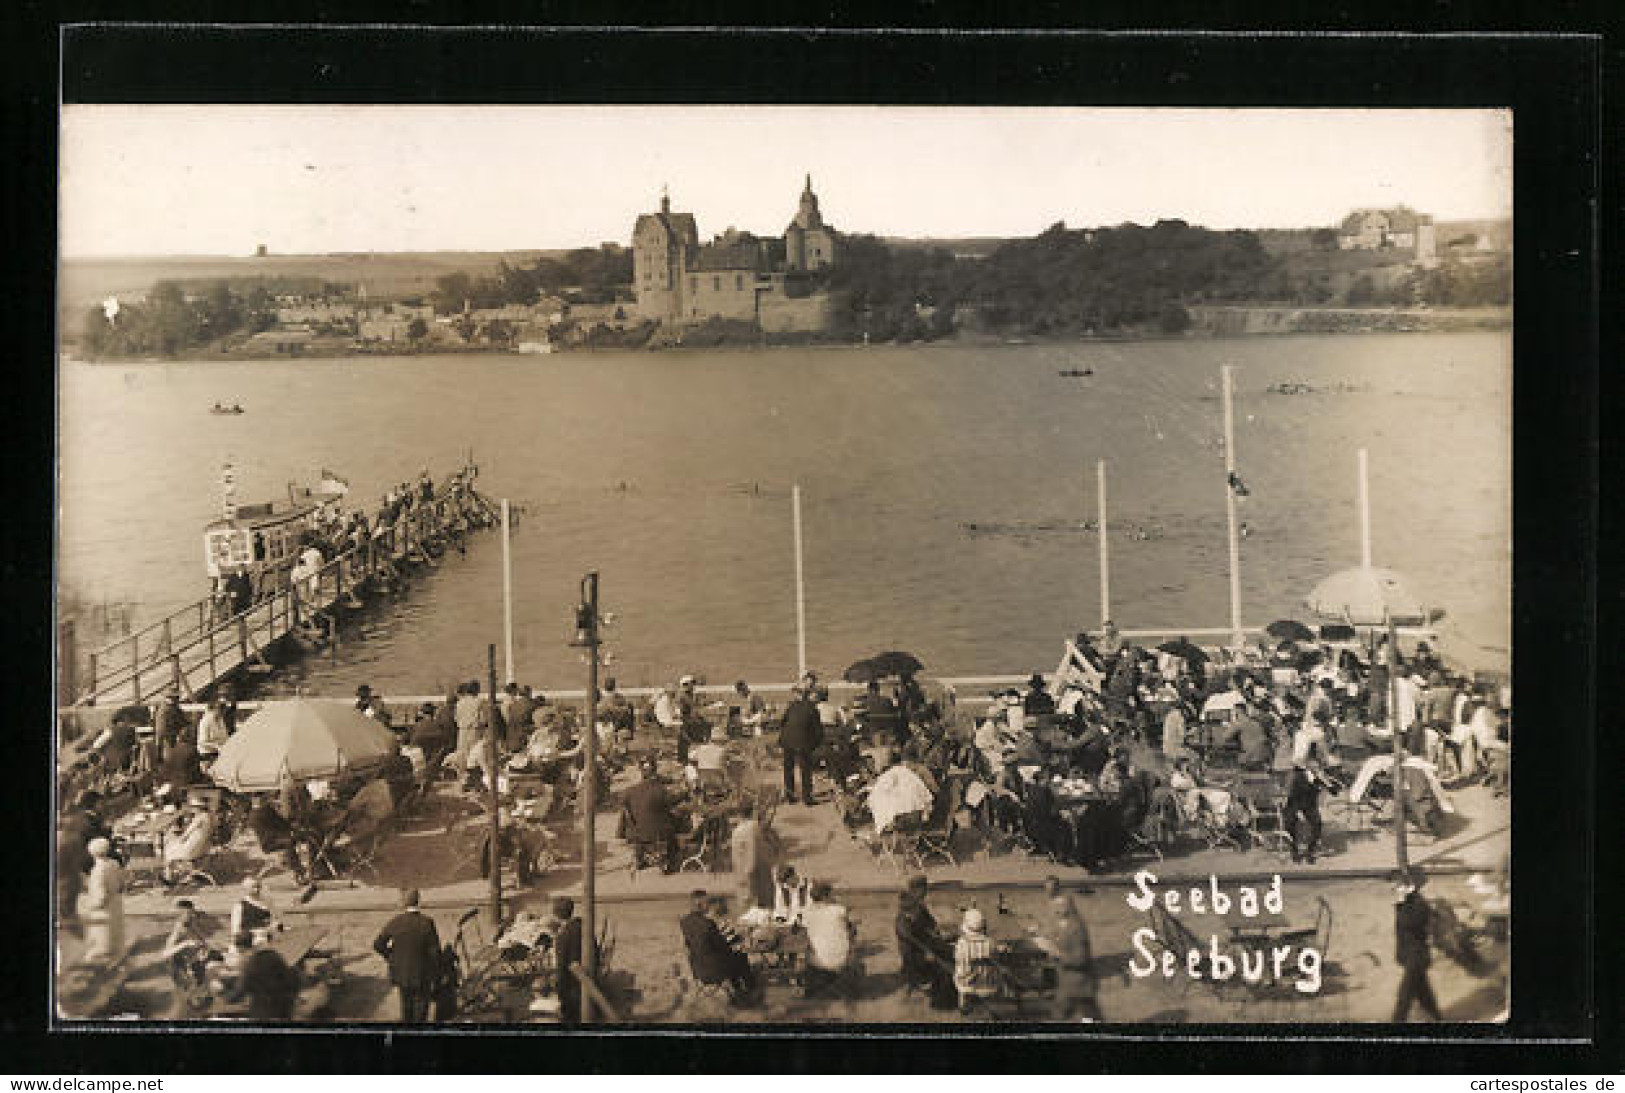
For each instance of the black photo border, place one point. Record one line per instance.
(1565, 960)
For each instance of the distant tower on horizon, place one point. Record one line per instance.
(262, 251)
(809, 243)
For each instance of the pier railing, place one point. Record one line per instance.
(195, 647)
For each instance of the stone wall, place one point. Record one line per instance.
(784, 315)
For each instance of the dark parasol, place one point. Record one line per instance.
(882, 666)
(1185, 649)
(1289, 630)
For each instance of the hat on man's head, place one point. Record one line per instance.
(684, 681)
(1036, 680)
(409, 897)
(363, 691)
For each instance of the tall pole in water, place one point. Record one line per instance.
(1365, 513)
(507, 598)
(1105, 564)
(1230, 509)
(801, 588)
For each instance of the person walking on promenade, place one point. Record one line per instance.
(1309, 755)
(411, 945)
(752, 854)
(1412, 918)
(567, 951)
(799, 738)
(1066, 941)
(101, 905)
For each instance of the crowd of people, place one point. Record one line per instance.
(456, 509)
(1120, 748)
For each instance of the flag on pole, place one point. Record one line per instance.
(228, 489)
(333, 484)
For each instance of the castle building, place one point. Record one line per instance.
(740, 276)
(1383, 229)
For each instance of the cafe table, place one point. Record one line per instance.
(779, 950)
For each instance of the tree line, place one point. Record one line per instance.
(586, 275)
(171, 319)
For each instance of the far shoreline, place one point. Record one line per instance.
(1214, 324)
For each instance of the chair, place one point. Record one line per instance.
(185, 859)
(361, 832)
(1266, 813)
(1201, 825)
(934, 838)
(710, 835)
(896, 843)
(1318, 936)
(1173, 936)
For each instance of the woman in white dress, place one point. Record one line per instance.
(101, 906)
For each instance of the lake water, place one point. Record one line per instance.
(671, 474)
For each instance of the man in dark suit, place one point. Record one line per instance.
(411, 944)
(710, 957)
(567, 951)
(799, 737)
(1412, 917)
(649, 822)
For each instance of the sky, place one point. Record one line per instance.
(180, 180)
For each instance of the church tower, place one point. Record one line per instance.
(809, 243)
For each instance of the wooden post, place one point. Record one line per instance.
(589, 988)
(1400, 809)
(135, 667)
(801, 590)
(338, 604)
(491, 774)
(214, 674)
(92, 666)
(1105, 563)
(1230, 510)
(589, 803)
(1365, 514)
(168, 638)
(507, 598)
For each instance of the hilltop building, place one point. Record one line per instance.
(1384, 229)
(772, 282)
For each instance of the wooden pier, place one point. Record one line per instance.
(197, 647)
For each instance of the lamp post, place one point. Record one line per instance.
(586, 638)
(495, 804)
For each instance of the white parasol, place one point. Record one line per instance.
(897, 791)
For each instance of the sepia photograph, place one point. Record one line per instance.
(770, 565)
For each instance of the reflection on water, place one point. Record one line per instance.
(671, 474)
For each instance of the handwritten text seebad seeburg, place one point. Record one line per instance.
(1220, 958)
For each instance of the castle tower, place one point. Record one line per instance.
(661, 245)
(809, 243)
